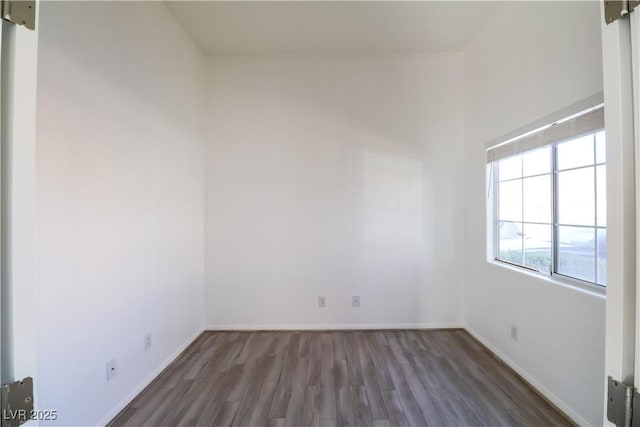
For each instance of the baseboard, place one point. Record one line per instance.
(136, 391)
(545, 392)
(329, 326)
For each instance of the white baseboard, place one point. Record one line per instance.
(123, 404)
(329, 326)
(531, 380)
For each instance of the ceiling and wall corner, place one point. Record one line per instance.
(311, 27)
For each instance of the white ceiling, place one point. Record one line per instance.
(330, 26)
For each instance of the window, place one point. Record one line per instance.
(549, 199)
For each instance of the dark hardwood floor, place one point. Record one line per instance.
(354, 378)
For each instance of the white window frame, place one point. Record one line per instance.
(541, 125)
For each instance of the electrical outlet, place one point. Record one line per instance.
(147, 341)
(322, 302)
(355, 301)
(112, 369)
(514, 332)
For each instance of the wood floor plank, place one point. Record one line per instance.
(410, 407)
(247, 347)
(327, 423)
(342, 378)
(380, 337)
(444, 407)
(427, 376)
(123, 418)
(429, 411)
(226, 415)
(260, 415)
(394, 409)
(283, 389)
(150, 391)
(203, 386)
(252, 394)
(145, 412)
(316, 345)
(327, 389)
(372, 387)
(380, 369)
(361, 411)
(304, 348)
(311, 407)
(313, 370)
(232, 336)
(275, 422)
(295, 406)
(168, 404)
(344, 407)
(200, 362)
(353, 361)
(216, 400)
(338, 346)
(235, 347)
(277, 344)
(463, 414)
(341, 373)
(240, 387)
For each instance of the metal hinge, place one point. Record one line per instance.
(616, 9)
(621, 399)
(20, 12)
(17, 402)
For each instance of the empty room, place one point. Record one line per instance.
(306, 213)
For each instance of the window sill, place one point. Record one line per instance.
(586, 289)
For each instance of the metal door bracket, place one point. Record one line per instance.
(17, 402)
(20, 12)
(635, 421)
(619, 401)
(616, 9)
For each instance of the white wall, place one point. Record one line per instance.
(529, 60)
(120, 201)
(337, 176)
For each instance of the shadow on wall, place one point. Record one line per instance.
(345, 159)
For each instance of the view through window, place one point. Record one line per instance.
(550, 209)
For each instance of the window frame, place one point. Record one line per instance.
(494, 194)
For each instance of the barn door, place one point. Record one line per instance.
(18, 53)
(621, 53)
(2, 291)
(634, 22)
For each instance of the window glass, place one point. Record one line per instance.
(536, 195)
(537, 247)
(601, 148)
(576, 252)
(510, 168)
(602, 256)
(510, 242)
(551, 209)
(576, 197)
(510, 200)
(601, 194)
(536, 162)
(575, 153)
